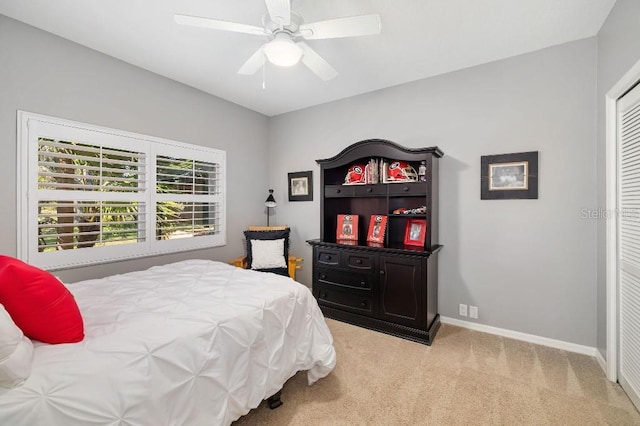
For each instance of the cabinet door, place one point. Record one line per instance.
(402, 290)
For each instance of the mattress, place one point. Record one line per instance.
(190, 343)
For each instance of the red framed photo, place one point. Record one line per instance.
(377, 227)
(347, 228)
(415, 232)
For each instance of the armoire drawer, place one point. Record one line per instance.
(358, 261)
(338, 191)
(336, 297)
(344, 279)
(407, 189)
(370, 190)
(327, 257)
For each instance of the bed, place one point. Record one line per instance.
(190, 343)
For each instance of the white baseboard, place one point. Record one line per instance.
(601, 361)
(531, 338)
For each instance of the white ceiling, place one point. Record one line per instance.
(420, 38)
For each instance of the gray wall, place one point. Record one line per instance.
(618, 51)
(529, 265)
(45, 74)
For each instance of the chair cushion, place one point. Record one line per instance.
(268, 254)
(265, 251)
(40, 305)
(16, 353)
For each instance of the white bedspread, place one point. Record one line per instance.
(189, 343)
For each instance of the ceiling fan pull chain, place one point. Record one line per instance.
(264, 74)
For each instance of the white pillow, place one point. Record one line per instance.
(266, 254)
(16, 353)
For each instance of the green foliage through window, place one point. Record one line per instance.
(66, 223)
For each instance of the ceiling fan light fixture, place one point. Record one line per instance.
(283, 51)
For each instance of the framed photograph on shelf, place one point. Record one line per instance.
(301, 186)
(377, 227)
(347, 228)
(509, 176)
(415, 232)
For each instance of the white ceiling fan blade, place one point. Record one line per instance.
(196, 21)
(254, 63)
(316, 63)
(342, 27)
(279, 11)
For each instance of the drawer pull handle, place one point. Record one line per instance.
(363, 304)
(381, 272)
(405, 188)
(363, 284)
(324, 295)
(338, 191)
(327, 257)
(369, 189)
(323, 277)
(359, 261)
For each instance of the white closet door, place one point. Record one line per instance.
(629, 249)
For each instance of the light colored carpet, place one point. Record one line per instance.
(464, 378)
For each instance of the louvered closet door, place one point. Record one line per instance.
(629, 238)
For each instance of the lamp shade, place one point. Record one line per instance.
(270, 201)
(283, 51)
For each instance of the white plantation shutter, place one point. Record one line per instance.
(194, 219)
(91, 194)
(192, 179)
(69, 165)
(68, 219)
(629, 237)
(69, 224)
(187, 176)
(197, 181)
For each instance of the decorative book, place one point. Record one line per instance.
(374, 171)
(347, 228)
(377, 227)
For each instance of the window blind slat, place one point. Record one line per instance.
(90, 148)
(48, 165)
(48, 154)
(91, 177)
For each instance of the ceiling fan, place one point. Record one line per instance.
(285, 29)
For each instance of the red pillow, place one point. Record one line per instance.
(40, 305)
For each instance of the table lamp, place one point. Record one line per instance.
(270, 203)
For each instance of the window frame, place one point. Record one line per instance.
(30, 127)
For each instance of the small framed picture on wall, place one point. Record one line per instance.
(301, 186)
(509, 176)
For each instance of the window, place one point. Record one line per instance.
(91, 195)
